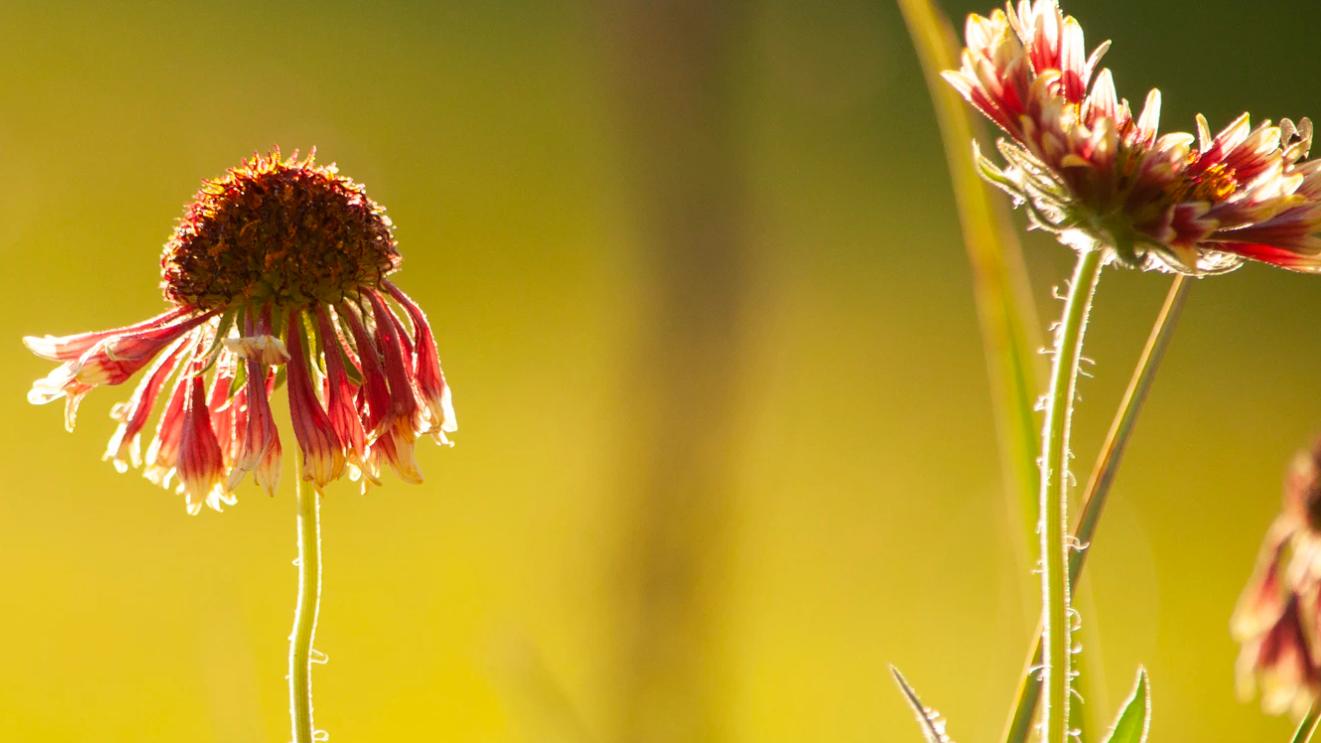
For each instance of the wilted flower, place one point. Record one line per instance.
(1277, 618)
(276, 275)
(1095, 175)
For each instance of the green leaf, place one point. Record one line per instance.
(933, 725)
(1135, 719)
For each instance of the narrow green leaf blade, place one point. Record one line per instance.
(1135, 718)
(1001, 289)
(933, 725)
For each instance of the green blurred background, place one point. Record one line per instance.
(726, 444)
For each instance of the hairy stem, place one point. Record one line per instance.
(1054, 496)
(1098, 485)
(306, 610)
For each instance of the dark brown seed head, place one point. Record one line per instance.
(283, 232)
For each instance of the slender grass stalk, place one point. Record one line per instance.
(1054, 502)
(1107, 463)
(1307, 727)
(306, 610)
(1098, 485)
(1003, 296)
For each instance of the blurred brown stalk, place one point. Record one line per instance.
(671, 65)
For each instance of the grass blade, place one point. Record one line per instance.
(1004, 300)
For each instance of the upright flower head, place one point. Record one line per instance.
(1097, 176)
(1278, 618)
(276, 276)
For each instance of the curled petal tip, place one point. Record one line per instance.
(43, 346)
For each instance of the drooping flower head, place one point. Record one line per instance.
(1278, 618)
(276, 277)
(1097, 176)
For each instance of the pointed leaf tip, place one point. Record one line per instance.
(932, 724)
(1134, 719)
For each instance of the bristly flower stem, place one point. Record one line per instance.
(1098, 485)
(1054, 495)
(306, 610)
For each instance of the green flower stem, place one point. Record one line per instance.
(306, 610)
(1055, 494)
(1098, 486)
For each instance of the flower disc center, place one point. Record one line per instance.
(279, 232)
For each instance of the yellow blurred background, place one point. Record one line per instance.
(726, 445)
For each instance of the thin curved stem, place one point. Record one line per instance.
(1055, 495)
(1116, 439)
(1307, 727)
(306, 610)
(1098, 485)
